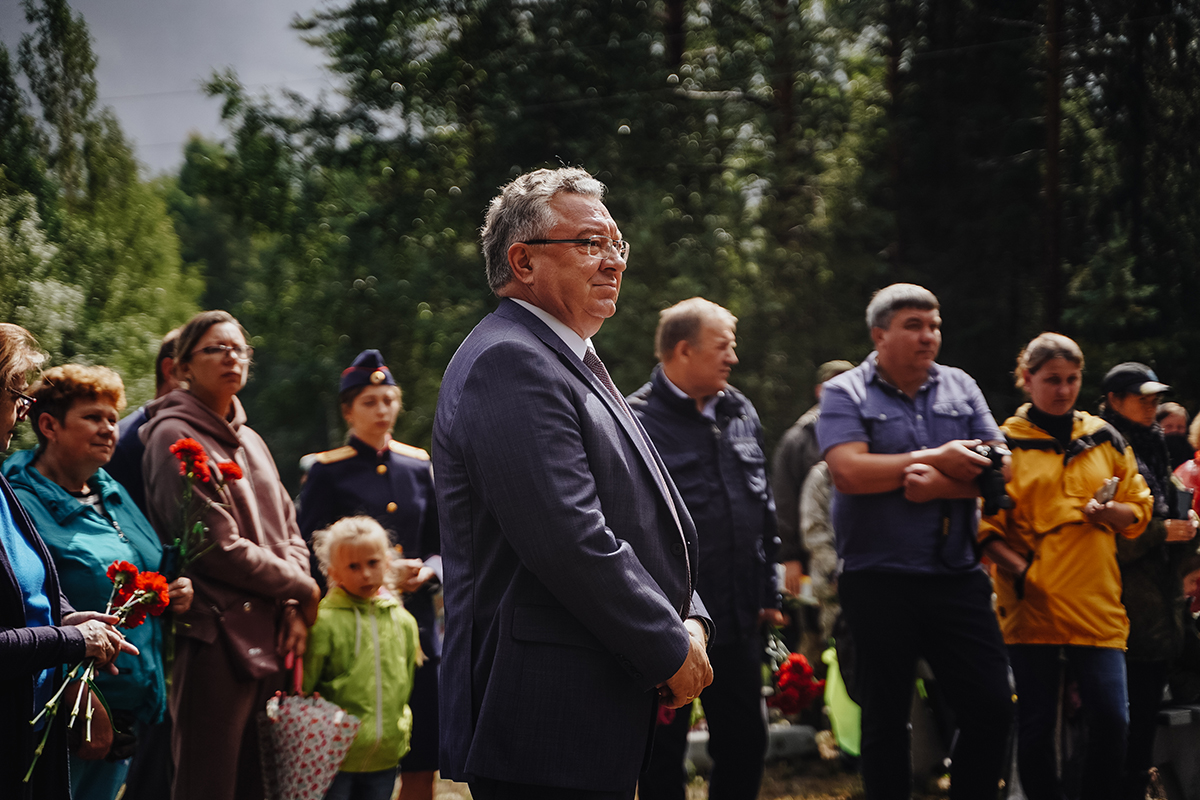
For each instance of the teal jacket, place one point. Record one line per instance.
(361, 657)
(83, 544)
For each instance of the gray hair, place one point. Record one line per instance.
(890, 299)
(682, 322)
(522, 211)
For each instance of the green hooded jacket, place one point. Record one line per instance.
(361, 656)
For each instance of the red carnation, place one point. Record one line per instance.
(230, 471)
(192, 458)
(124, 577)
(157, 594)
(795, 688)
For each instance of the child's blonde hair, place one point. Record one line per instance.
(345, 530)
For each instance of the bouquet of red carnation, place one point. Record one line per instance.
(135, 596)
(795, 686)
(195, 467)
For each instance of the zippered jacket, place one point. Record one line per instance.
(361, 657)
(1072, 589)
(83, 544)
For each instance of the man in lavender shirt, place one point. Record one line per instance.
(896, 432)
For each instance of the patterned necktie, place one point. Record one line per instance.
(593, 362)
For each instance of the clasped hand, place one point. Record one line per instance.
(104, 642)
(696, 673)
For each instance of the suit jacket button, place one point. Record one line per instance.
(246, 606)
(677, 549)
(381, 469)
(391, 507)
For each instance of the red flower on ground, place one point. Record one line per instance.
(230, 471)
(192, 458)
(795, 687)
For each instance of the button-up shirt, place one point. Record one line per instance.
(884, 531)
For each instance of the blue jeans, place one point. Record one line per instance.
(1100, 673)
(363, 785)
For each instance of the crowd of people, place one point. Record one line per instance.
(604, 560)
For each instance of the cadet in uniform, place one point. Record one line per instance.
(375, 475)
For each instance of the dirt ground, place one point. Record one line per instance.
(802, 780)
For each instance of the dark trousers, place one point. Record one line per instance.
(737, 731)
(488, 789)
(1146, 681)
(1100, 675)
(894, 620)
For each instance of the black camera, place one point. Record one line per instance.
(991, 480)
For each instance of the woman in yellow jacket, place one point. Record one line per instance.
(1056, 577)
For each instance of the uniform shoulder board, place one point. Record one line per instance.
(408, 450)
(334, 456)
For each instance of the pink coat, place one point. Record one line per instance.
(260, 560)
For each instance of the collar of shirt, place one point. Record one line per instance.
(570, 338)
(710, 405)
(873, 375)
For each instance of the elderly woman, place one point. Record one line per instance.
(1076, 488)
(254, 594)
(391, 481)
(39, 630)
(89, 521)
(1152, 565)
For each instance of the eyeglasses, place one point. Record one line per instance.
(24, 403)
(596, 245)
(242, 352)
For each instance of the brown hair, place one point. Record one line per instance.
(60, 388)
(19, 355)
(346, 399)
(166, 349)
(196, 327)
(1046, 347)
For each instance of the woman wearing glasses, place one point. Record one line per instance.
(254, 596)
(39, 630)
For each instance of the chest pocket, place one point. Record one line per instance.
(754, 464)
(888, 429)
(951, 420)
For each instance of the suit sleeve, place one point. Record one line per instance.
(523, 439)
(316, 503)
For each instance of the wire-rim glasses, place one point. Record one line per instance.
(596, 245)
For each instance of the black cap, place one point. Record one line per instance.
(1132, 378)
(367, 370)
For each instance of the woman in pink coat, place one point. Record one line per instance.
(254, 597)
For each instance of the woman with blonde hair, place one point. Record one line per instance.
(1076, 488)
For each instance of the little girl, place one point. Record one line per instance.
(362, 653)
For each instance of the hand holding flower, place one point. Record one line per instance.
(181, 594)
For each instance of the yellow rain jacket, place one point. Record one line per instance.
(1073, 586)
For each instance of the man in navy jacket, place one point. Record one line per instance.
(709, 435)
(569, 557)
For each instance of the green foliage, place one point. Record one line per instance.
(89, 259)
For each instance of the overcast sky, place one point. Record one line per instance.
(153, 55)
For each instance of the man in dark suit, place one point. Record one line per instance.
(569, 558)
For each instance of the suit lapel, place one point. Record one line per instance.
(633, 430)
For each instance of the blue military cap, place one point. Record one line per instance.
(367, 370)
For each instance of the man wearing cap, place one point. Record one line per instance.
(570, 558)
(377, 476)
(710, 438)
(796, 454)
(1152, 565)
(896, 432)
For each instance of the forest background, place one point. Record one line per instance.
(1036, 163)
